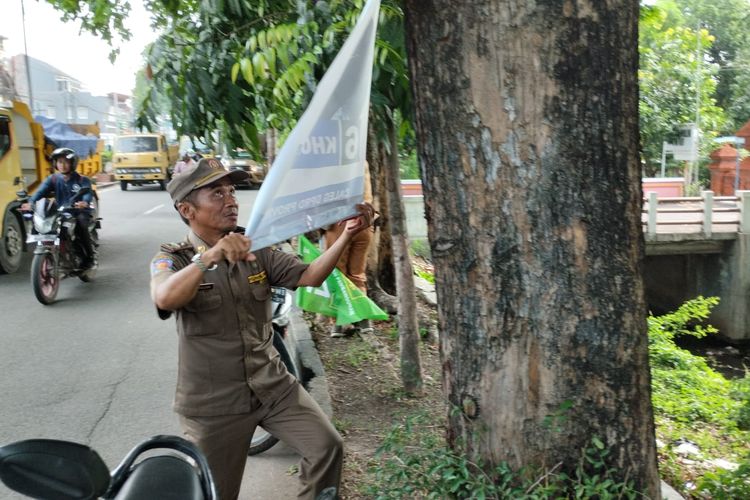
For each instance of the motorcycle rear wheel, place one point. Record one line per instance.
(263, 440)
(45, 278)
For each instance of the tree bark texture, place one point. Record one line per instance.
(408, 326)
(385, 265)
(527, 125)
(379, 255)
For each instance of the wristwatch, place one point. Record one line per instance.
(201, 265)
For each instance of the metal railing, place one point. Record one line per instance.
(706, 214)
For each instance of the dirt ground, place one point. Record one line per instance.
(366, 391)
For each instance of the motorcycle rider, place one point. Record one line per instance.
(64, 185)
(186, 163)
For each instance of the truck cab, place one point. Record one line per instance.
(21, 159)
(143, 159)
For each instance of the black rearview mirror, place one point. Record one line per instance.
(46, 468)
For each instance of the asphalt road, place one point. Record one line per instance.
(98, 367)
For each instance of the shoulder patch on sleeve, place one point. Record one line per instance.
(162, 262)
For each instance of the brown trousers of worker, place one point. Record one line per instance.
(353, 261)
(296, 419)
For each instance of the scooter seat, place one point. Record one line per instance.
(164, 477)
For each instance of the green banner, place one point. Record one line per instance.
(337, 296)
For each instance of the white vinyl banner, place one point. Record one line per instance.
(318, 175)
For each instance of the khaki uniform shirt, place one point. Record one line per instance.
(225, 348)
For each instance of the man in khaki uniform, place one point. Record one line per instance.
(353, 260)
(230, 378)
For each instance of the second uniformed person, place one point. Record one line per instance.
(230, 378)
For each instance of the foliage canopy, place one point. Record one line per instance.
(242, 66)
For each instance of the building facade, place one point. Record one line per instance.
(55, 94)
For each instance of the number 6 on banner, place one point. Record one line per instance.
(351, 143)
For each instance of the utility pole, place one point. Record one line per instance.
(26, 58)
(699, 64)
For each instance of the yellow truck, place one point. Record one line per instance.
(142, 159)
(24, 153)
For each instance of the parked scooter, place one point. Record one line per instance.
(57, 254)
(51, 469)
(281, 299)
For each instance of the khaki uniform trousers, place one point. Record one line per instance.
(296, 419)
(353, 261)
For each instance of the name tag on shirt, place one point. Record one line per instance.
(257, 278)
(205, 286)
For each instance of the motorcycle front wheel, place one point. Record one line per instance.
(45, 278)
(263, 440)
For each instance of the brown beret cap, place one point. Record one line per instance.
(207, 171)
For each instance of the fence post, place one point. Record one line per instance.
(744, 201)
(653, 203)
(708, 212)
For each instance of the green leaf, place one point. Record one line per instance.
(235, 71)
(260, 65)
(247, 70)
(271, 60)
(280, 90)
(283, 57)
(597, 442)
(262, 42)
(288, 33)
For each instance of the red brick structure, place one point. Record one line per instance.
(745, 132)
(724, 167)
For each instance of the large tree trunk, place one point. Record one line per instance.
(408, 326)
(527, 124)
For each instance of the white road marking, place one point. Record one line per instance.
(157, 207)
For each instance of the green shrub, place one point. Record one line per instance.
(725, 484)
(684, 387)
(425, 275)
(694, 402)
(414, 462)
(740, 391)
(421, 248)
(409, 166)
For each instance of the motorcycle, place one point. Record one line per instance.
(281, 300)
(58, 254)
(46, 468)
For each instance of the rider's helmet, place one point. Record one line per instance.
(65, 153)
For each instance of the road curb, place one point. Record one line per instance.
(426, 290)
(669, 493)
(312, 372)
